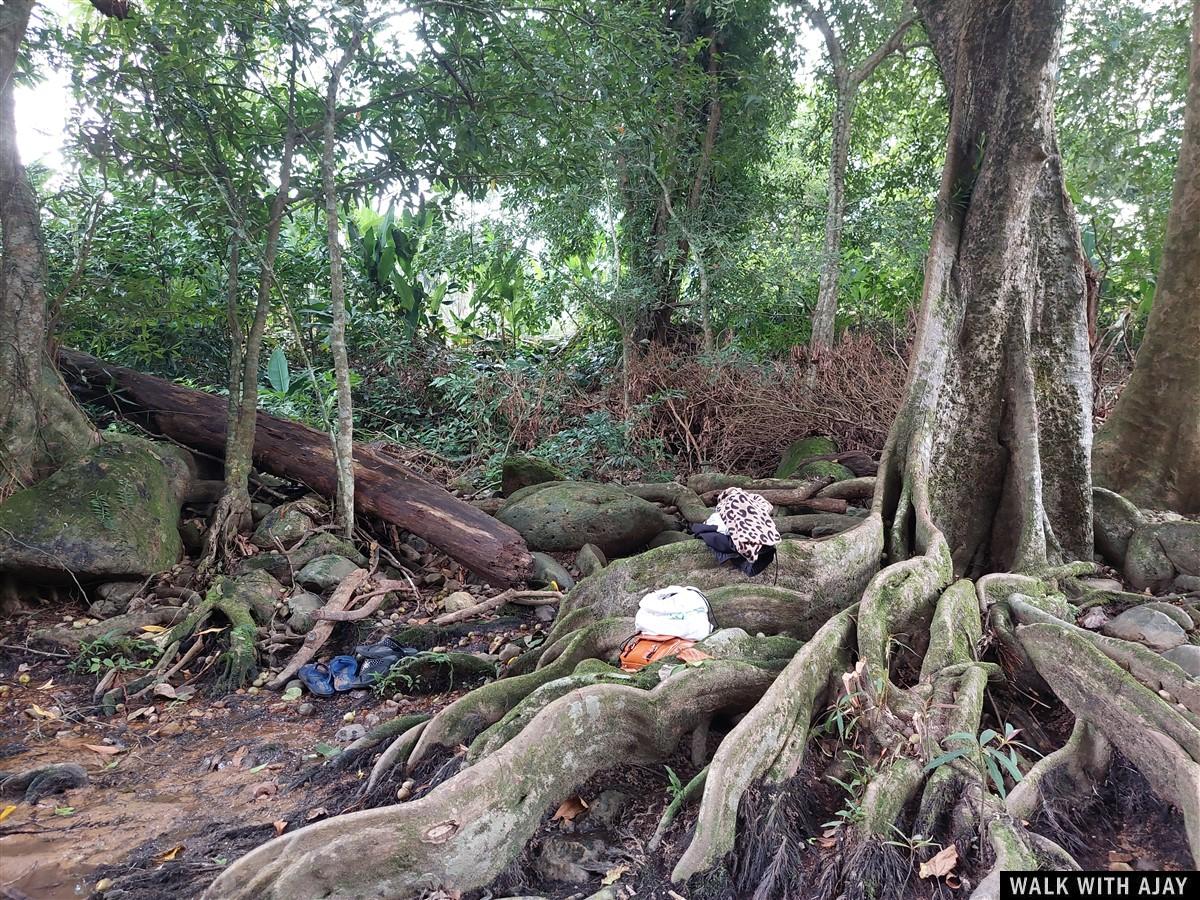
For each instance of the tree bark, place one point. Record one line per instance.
(40, 425)
(343, 437)
(386, 488)
(992, 445)
(1149, 448)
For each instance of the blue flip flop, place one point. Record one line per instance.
(315, 677)
(344, 670)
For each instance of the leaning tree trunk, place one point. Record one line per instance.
(986, 469)
(1149, 448)
(40, 425)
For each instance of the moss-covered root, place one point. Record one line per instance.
(1160, 741)
(461, 721)
(771, 737)
(467, 830)
(397, 751)
(240, 659)
(381, 733)
(690, 791)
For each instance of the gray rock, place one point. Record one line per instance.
(1093, 619)
(1181, 618)
(1102, 584)
(325, 572)
(301, 607)
(417, 543)
(306, 709)
(294, 683)
(575, 857)
(1187, 657)
(547, 570)
(458, 601)
(545, 614)
(590, 559)
(799, 452)
(1158, 553)
(1115, 520)
(259, 511)
(284, 525)
(349, 733)
(668, 537)
(111, 515)
(509, 652)
(113, 597)
(260, 591)
(606, 810)
(1156, 630)
(1186, 584)
(191, 534)
(566, 515)
(521, 471)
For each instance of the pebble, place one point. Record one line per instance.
(509, 652)
(348, 717)
(294, 683)
(403, 793)
(349, 733)
(253, 690)
(170, 729)
(306, 709)
(103, 885)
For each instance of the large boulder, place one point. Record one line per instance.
(1115, 520)
(521, 471)
(823, 468)
(566, 515)
(112, 515)
(801, 451)
(1158, 554)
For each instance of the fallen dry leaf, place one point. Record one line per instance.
(42, 713)
(103, 749)
(265, 789)
(6, 812)
(691, 655)
(941, 864)
(280, 826)
(154, 629)
(165, 690)
(238, 755)
(613, 875)
(139, 713)
(45, 687)
(171, 854)
(569, 809)
(316, 813)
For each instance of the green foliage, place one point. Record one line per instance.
(674, 786)
(993, 755)
(113, 651)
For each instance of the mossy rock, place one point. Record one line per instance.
(283, 526)
(1115, 520)
(521, 471)
(568, 514)
(822, 468)
(1157, 554)
(802, 450)
(112, 515)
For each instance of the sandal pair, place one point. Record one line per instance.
(339, 676)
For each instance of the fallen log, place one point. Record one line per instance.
(383, 486)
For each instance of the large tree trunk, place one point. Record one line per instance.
(992, 445)
(40, 425)
(825, 312)
(1149, 448)
(385, 487)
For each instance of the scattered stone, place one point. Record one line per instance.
(545, 614)
(590, 559)
(259, 511)
(458, 601)
(301, 607)
(433, 579)
(566, 515)
(1102, 584)
(521, 471)
(547, 571)
(349, 733)
(284, 525)
(1187, 657)
(325, 572)
(34, 784)
(103, 885)
(606, 810)
(171, 729)
(799, 452)
(417, 543)
(508, 653)
(306, 709)
(1159, 553)
(348, 717)
(112, 515)
(1093, 619)
(1156, 630)
(1187, 584)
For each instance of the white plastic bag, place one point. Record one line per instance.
(676, 611)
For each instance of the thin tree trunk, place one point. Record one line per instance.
(40, 425)
(1149, 448)
(233, 509)
(343, 438)
(835, 217)
(846, 82)
(992, 446)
